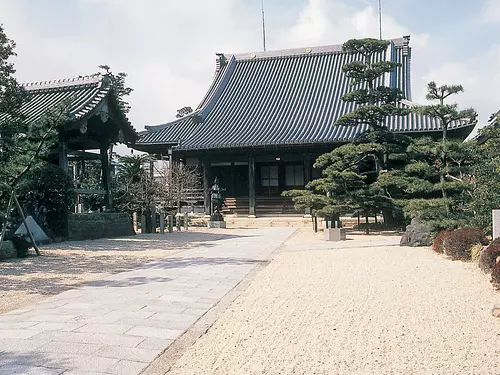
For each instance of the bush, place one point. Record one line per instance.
(458, 244)
(46, 193)
(438, 245)
(475, 252)
(488, 257)
(495, 275)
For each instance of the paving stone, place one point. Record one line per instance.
(131, 354)
(126, 368)
(29, 370)
(80, 372)
(69, 348)
(92, 338)
(18, 333)
(190, 319)
(42, 317)
(85, 362)
(160, 333)
(119, 324)
(155, 343)
(20, 345)
(104, 328)
(17, 325)
(63, 327)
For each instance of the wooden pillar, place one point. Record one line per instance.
(206, 185)
(63, 155)
(307, 178)
(105, 181)
(109, 203)
(251, 186)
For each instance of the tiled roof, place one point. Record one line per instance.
(84, 95)
(285, 98)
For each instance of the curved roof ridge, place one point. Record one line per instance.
(333, 48)
(151, 128)
(61, 83)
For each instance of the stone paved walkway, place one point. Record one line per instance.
(120, 324)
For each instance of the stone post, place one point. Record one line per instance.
(170, 221)
(251, 187)
(162, 223)
(134, 221)
(307, 179)
(178, 221)
(153, 219)
(496, 223)
(206, 186)
(143, 224)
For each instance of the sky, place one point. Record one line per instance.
(168, 47)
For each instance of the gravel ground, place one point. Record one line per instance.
(66, 265)
(371, 310)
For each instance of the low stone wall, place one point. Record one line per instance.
(8, 250)
(99, 225)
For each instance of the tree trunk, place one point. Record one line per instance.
(393, 219)
(367, 220)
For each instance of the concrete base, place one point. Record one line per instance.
(335, 234)
(216, 224)
(252, 216)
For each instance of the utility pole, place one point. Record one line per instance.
(263, 26)
(380, 17)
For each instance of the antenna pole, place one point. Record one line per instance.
(263, 26)
(380, 17)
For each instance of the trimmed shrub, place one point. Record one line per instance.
(458, 244)
(438, 245)
(495, 276)
(488, 257)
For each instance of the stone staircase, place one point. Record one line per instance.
(264, 206)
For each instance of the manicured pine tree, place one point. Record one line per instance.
(434, 186)
(351, 169)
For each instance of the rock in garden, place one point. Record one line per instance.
(417, 234)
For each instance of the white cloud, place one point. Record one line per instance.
(491, 11)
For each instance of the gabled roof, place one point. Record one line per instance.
(83, 95)
(289, 97)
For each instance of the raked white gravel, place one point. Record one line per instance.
(372, 310)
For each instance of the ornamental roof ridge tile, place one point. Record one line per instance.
(315, 50)
(94, 79)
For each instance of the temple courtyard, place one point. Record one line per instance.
(245, 301)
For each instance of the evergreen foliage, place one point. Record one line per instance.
(351, 170)
(486, 177)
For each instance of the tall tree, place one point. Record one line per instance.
(446, 114)
(486, 176)
(22, 144)
(350, 170)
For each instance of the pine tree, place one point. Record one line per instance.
(350, 170)
(435, 186)
(22, 144)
